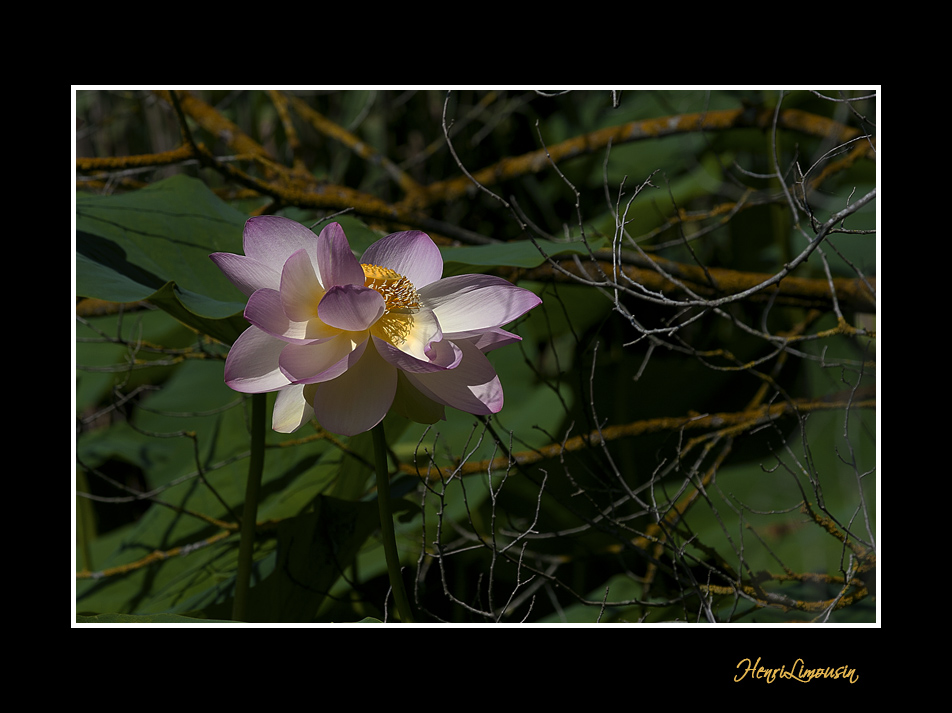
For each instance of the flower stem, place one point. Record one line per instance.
(386, 524)
(249, 518)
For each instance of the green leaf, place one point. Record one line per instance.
(313, 550)
(203, 577)
(520, 253)
(153, 244)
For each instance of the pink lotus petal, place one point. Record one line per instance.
(322, 361)
(265, 311)
(423, 349)
(336, 263)
(449, 358)
(473, 386)
(409, 334)
(466, 303)
(351, 307)
(444, 353)
(246, 273)
(410, 253)
(300, 290)
(292, 408)
(358, 399)
(312, 313)
(271, 239)
(252, 364)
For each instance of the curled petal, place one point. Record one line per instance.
(351, 307)
(423, 349)
(321, 361)
(446, 357)
(445, 354)
(473, 386)
(410, 253)
(336, 263)
(467, 303)
(252, 364)
(292, 408)
(409, 334)
(358, 399)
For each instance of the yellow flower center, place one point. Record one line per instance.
(401, 298)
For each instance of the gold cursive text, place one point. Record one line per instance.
(798, 672)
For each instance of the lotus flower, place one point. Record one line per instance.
(343, 340)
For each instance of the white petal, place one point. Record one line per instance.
(465, 303)
(292, 408)
(252, 363)
(300, 290)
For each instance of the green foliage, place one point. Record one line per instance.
(527, 516)
(154, 245)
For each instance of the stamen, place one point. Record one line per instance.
(397, 291)
(400, 297)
